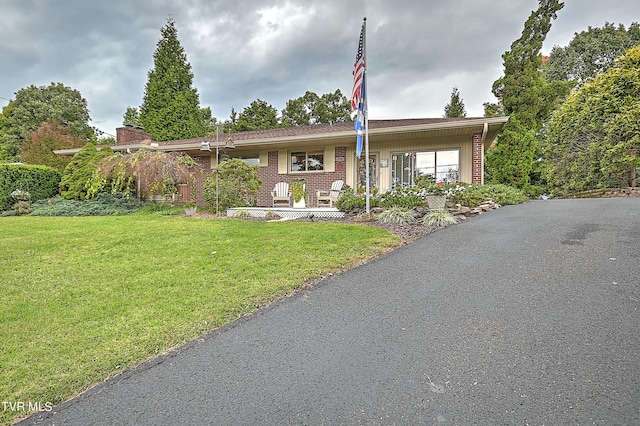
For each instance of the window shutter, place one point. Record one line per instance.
(282, 162)
(330, 159)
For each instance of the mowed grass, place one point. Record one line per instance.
(83, 298)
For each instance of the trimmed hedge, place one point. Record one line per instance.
(40, 181)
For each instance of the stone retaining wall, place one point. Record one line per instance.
(606, 193)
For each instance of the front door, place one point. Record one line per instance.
(374, 180)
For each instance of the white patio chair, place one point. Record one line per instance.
(328, 198)
(281, 194)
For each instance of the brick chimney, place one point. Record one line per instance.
(130, 134)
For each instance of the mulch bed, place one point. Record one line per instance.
(408, 232)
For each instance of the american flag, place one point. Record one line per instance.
(358, 93)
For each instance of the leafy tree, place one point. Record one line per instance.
(238, 185)
(594, 137)
(39, 145)
(527, 98)
(36, 105)
(313, 109)
(332, 108)
(298, 112)
(258, 116)
(591, 52)
(170, 107)
(455, 108)
(5, 154)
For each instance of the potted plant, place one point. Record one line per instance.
(190, 207)
(298, 188)
(436, 195)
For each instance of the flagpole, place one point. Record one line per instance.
(366, 125)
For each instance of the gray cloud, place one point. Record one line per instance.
(275, 50)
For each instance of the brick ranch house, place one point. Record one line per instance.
(451, 149)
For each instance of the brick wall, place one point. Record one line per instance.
(315, 180)
(477, 172)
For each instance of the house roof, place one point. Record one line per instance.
(336, 133)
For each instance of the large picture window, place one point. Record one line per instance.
(307, 161)
(442, 165)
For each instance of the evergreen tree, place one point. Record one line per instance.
(527, 98)
(131, 116)
(258, 116)
(594, 136)
(171, 108)
(455, 108)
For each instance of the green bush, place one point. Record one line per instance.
(104, 205)
(39, 181)
(237, 185)
(403, 197)
(412, 198)
(79, 177)
(352, 201)
(397, 216)
(474, 195)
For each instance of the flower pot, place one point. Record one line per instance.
(436, 202)
(299, 204)
(190, 211)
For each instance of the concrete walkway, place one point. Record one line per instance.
(526, 315)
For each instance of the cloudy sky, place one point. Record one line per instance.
(275, 50)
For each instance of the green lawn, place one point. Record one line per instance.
(83, 298)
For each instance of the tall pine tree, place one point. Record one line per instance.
(455, 108)
(527, 98)
(171, 107)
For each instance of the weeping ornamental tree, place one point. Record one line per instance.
(170, 107)
(527, 98)
(148, 172)
(594, 137)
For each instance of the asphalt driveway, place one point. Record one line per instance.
(528, 314)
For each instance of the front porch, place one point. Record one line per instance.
(289, 212)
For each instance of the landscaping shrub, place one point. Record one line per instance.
(439, 218)
(352, 201)
(104, 205)
(474, 195)
(403, 197)
(79, 177)
(242, 214)
(237, 185)
(414, 198)
(397, 216)
(39, 181)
